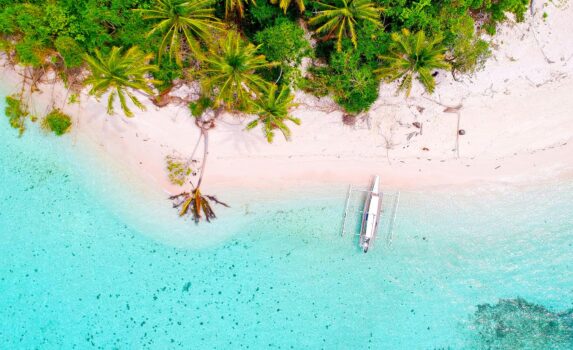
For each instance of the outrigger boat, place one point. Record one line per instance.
(371, 215)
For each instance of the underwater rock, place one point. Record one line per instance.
(518, 324)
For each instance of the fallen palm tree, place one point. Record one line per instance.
(194, 202)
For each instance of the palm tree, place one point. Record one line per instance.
(413, 55)
(120, 73)
(284, 4)
(195, 202)
(230, 72)
(341, 21)
(181, 22)
(273, 111)
(236, 7)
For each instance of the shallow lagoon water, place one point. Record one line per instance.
(81, 269)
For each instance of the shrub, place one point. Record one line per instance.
(349, 77)
(70, 51)
(199, 107)
(30, 53)
(469, 54)
(355, 86)
(178, 170)
(284, 43)
(17, 113)
(352, 84)
(264, 13)
(57, 122)
(316, 81)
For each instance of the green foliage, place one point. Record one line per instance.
(58, 122)
(38, 26)
(349, 77)
(61, 34)
(316, 81)
(167, 72)
(199, 107)
(27, 23)
(230, 72)
(74, 98)
(284, 43)
(237, 7)
(30, 53)
(71, 52)
(119, 72)
(340, 21)
(498, 9)
(178, 170)
(180, 23)
(17, 113)
(354, 83)
(273, 110)
(419, 15)
(468, 52)
(413, 56)
(284, 4)
(264, 14)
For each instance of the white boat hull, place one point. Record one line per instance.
(371, 216)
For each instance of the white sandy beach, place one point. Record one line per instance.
(517, 114)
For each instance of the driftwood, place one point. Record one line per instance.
(164, 99)
(349, 119)
(454, 109)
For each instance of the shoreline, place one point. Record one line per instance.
(516, 114)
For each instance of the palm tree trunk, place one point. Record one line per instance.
(192, 156)
(205, 126)
(205, 135)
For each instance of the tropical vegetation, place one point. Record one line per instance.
(243, 57)
(57, 122)
(273, 111)
(17, 112)
(341, 20)
(180, 24)
(285, 4)
(120, 74)
(413, 56)
(230, 73)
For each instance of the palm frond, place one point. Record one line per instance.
(179, 23)
(341, 21)
(230, 71)
(273, 110)
(413, 55)
(116, 72)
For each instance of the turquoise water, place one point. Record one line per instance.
(87, 262)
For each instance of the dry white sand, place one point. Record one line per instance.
(517, 114)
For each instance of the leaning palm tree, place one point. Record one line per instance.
(284, 4)
(120, 73)
(236, 7)
(273, 110)
(195, 202)
(230, 72)
(342, 20)
(410, 56)
(180, 23)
